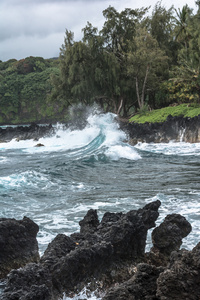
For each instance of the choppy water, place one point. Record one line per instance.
(77, 170)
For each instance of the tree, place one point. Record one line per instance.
(119, 28)
(145, 59)
(185, 76)
(118, 31)
(182, 20)
(161, 26)
(95, 69)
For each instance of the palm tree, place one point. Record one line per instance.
(182, 19)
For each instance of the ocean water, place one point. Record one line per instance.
(76, 170)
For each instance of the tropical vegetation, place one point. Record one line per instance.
(161, 115)
(137, 62)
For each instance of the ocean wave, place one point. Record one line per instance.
(3, 159)
(26, 179)
(120, 151)
(101, 138)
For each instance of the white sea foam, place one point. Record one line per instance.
(84, 207)
(27, 178)
(118, 151)
(100, 133)
(3, 160)
(172, 148)
(84, 294)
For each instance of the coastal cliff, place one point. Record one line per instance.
(176, 129)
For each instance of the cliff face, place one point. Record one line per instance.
(173, 129)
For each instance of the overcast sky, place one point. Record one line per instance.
(37, 27)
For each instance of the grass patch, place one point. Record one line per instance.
(160, 115)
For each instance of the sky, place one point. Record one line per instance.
(37, 27)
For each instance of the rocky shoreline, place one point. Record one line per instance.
(109, 255)
(32, 131)
(173, 129)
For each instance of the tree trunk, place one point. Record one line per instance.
(120, 106)
(137, 91)
(144, 85)
(140, 99)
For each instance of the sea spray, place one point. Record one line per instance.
(100, 136)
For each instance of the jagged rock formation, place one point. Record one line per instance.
(70, 262)
(111, 256)
(181, 279)
(178, 281)
(140, 286)
(173, 129)
(18, 244)
(157, 279)
(167, 237)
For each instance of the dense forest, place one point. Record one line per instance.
(138, 61)
(25, 87)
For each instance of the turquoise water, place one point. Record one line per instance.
(76, 170)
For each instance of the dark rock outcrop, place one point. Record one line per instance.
(165, 277)
(69, 263)
(181, 279)
(110, 255)
(174, 128)
(167, 237)
(39, 145)
(33, 131)
(143, 285)
(178, 281)
(18, 244)
(89, 223)
(33, 282)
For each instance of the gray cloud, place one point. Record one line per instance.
(37, 27)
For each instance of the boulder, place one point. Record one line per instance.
(18, 244)
(167, 237)
(39, 145)
(169, 273)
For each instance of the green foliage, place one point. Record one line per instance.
(133, 63)
(160, 115)
(161, 26)
(182, 20)
(181, 91)
(25, 87)
(145, 62)
(96, 68)
(119, 28)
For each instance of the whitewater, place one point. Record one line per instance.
(76, 170)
